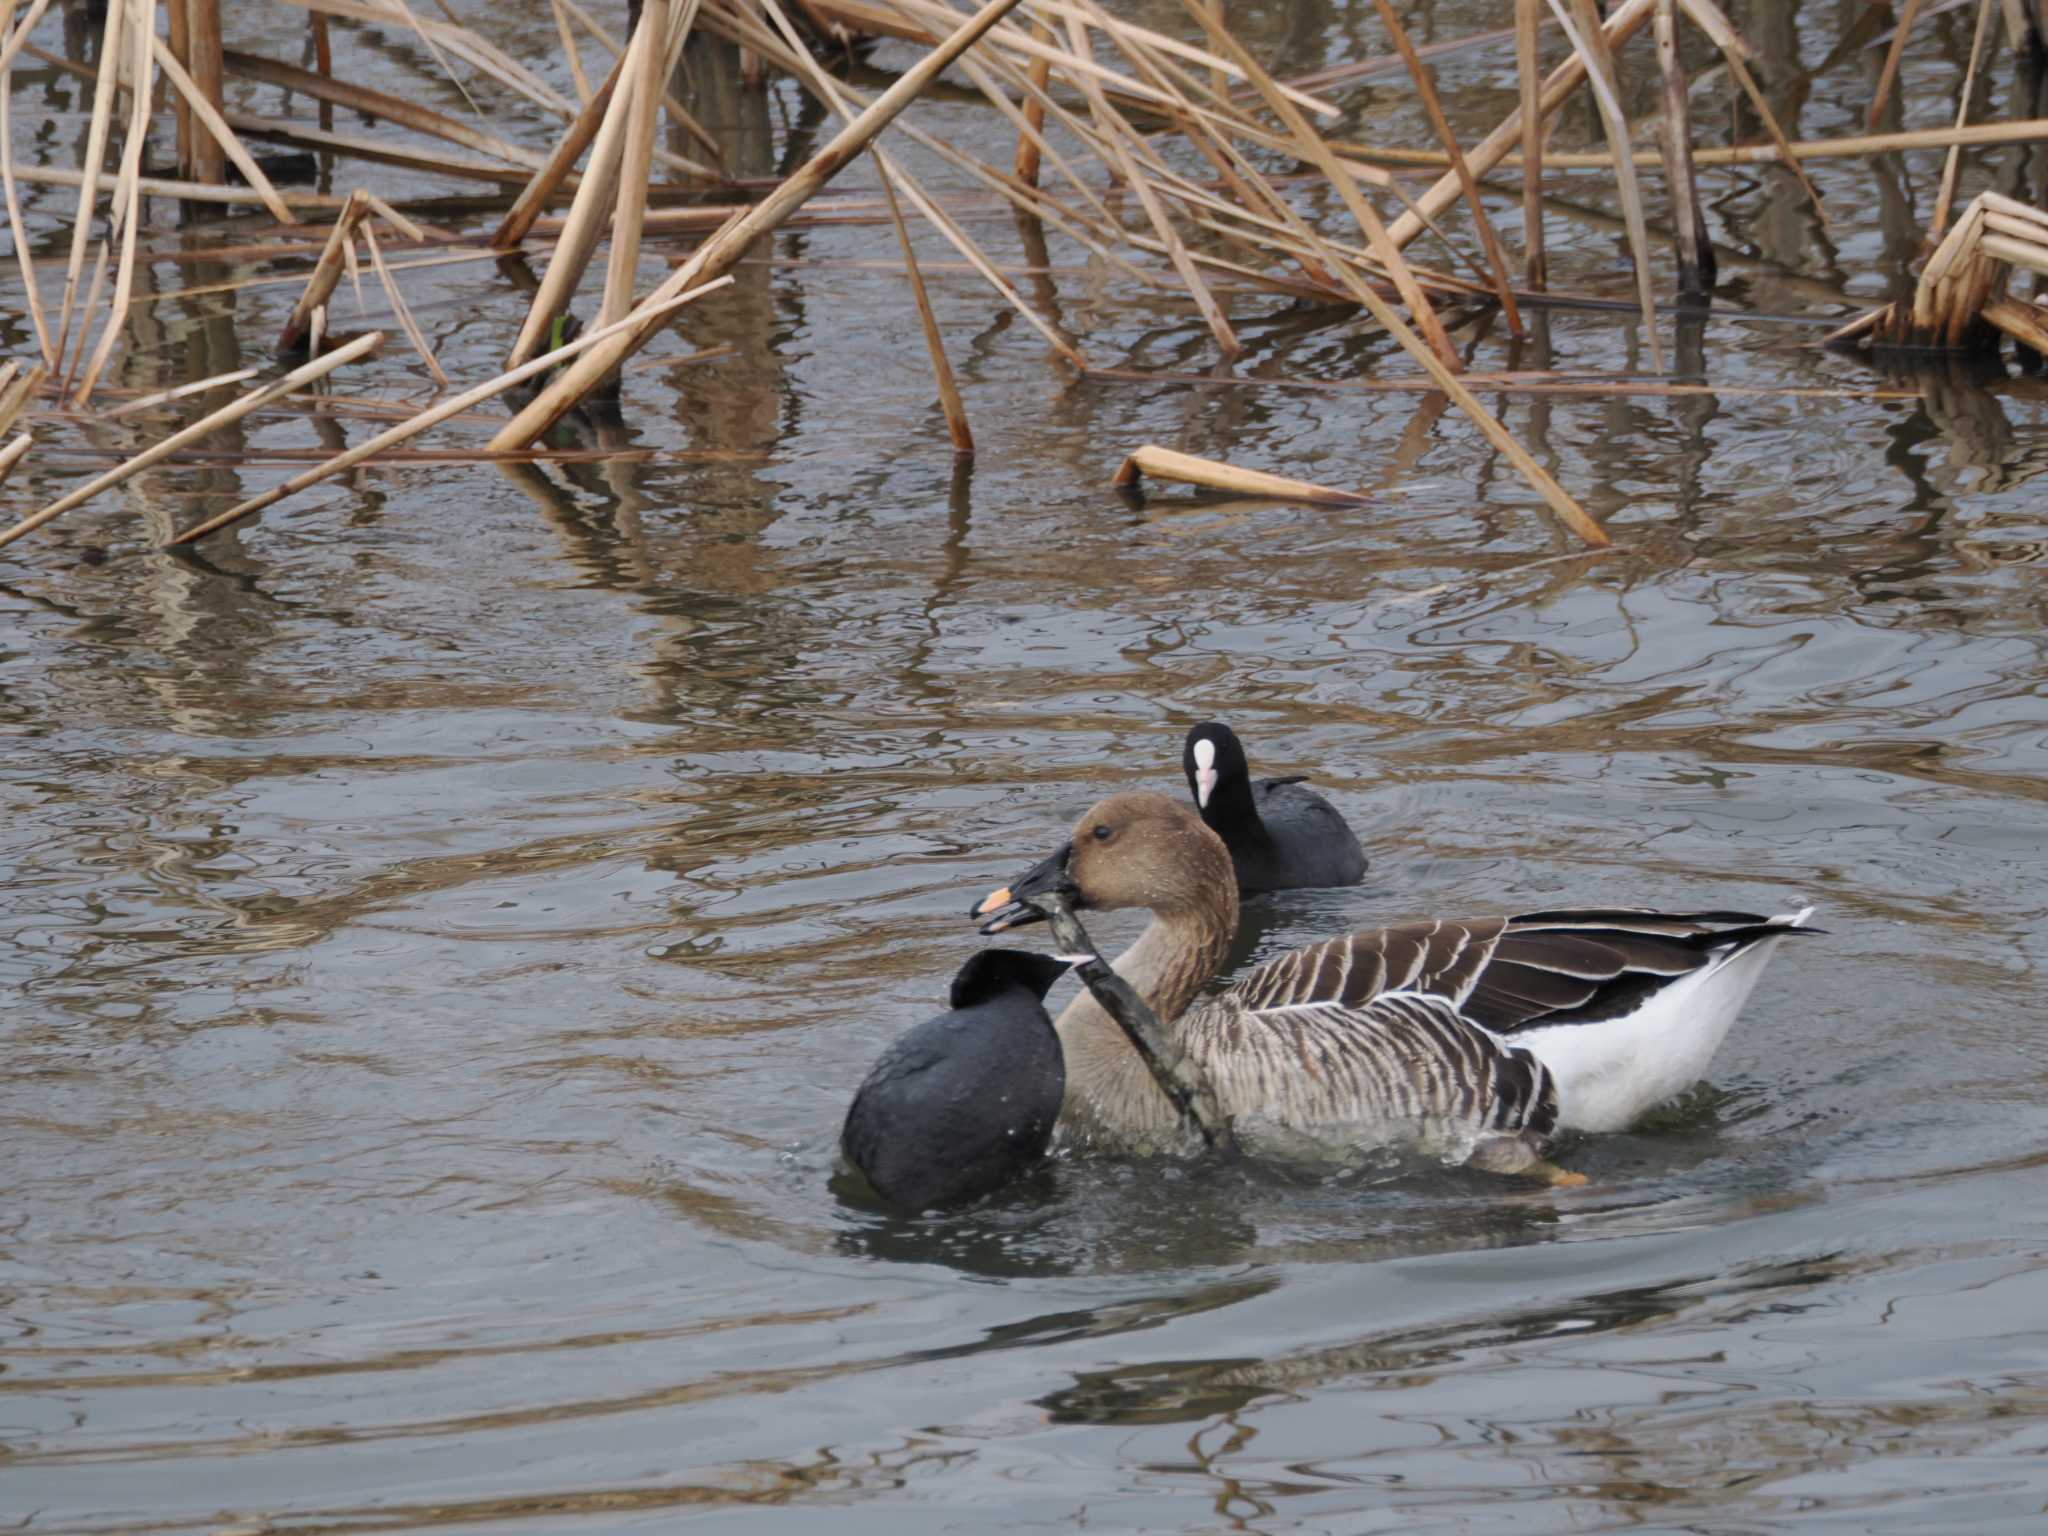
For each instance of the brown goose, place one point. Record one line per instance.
(1476, 1039)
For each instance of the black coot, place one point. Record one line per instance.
(966, 1101)
(1281, 836)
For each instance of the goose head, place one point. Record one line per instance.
(1131, 850)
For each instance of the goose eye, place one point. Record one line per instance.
(1103, 832)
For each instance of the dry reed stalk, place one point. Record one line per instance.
(1907, 16)
(637, 162)
(142, 31)
(1582, 25)
(433, 417)
(87, 310)
(95, 158)
(11, 454)
(194, 98)
(1166, 464)
(31, 289)
(1945, 198)
(326, 272)
(1963, 283)
(570, 53)
(166, 396)
(568, 149)
(1425, 88)
(1512, 383)
(14, 397)
(2026, 323)
(457, 40)
(1116, 134)
(1316, 150)
(1627, 19)
(181, 110)
(413, 333)
(399, 221)
(2023, 131)
(1688, 218)
(589, 211)
(379, 104)
(1568, 511)
(1708, 17)
(678, 113)
(232, 412)
(1528, 14)
(787, 48)
(1026, 166)
(203, 62)
(723, 249)
(285, 131)
(18, 38)
(323, 64)
(185, 191)
(942, 370)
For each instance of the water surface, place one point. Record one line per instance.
(443, 922)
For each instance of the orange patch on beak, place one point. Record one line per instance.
(992, 901)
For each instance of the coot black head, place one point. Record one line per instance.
(992, 972)
(1280, 835)
(966, 1101)
(1213, 759)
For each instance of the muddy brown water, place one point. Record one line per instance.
(443, 922)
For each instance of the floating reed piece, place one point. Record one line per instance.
(1212, 474)
(1960, 303)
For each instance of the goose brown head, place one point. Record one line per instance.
(1131, 850)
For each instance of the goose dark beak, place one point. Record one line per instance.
(1011, 906)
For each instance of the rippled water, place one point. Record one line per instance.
(443, 923)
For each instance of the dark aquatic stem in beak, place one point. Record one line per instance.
(1171, 1067)
(1020, 902)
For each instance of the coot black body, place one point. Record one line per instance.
(1281, 836)
(964, 1102)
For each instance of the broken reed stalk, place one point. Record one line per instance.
(19, 230)
(326, 273)
(379, 104)
(785, 48)
(14, 398)
(1026, 168)
(1705, 15)
(437, 414)
(1790, 155)
(11, 454)
(1628, 19)
(1212, 474)
(127, 194)
(1496, 258)
(1528, 14)
(1318, 153)
(406, 322)
(638, 159)
(1959, 302)
(518, 221)
(589, 211)
(232, 412)
(166, 396)
(1554, 495)
(723, 250)
(570, 54)
(1907, 16)
(1688, 219)
(95, 158)
(942, 370)
(1582, 25)
(203, 42)
(1945, 198)
(1116, 134)
(193, 96)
